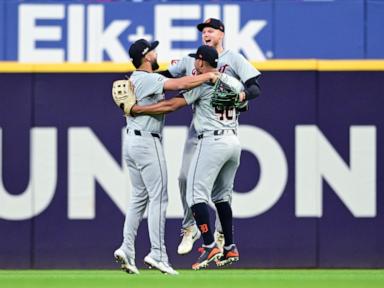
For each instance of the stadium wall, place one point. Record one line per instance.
(96, 31)
(308, 192)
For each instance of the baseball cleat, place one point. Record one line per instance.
(219, 239)
(163, 267)
(127, 264)
(207, 255)
(190, 235)
(230, 256)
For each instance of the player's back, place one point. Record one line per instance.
(148, 90)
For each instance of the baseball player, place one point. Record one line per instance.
(215, 159)
(144, 156)
(230, 63)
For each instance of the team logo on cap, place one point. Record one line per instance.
(200, 56)
(145, 51)
(208, 20)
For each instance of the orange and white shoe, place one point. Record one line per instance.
(207, 255)
(229, 256)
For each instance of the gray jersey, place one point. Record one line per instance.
(218, 148)
(230, 63)
(148, 90)
(206, 117)
(144, 156)
(183, 67)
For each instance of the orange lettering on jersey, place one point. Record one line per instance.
(223, 68)
(203, 228)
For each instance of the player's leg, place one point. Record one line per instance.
(189, 150)
(221, 199)
(218, 187)
(189, 230)
(154, 173)
(125, 255)
(219, 235)
(206, 164)
(209, 250)
(135, 210)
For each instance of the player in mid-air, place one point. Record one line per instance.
(215, 159)
(144, 156)
(230, 63)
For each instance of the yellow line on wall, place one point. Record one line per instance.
(286, 65)
(320, 65)
(269, 65)
(357, 65)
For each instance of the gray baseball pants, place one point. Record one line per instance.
(145, 159)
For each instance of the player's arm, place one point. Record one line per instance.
(232, 83)
(162, 107)
(189, 82)
(249, 75)
(167, 106)
(252, 88)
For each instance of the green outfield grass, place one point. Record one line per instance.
(226, 278)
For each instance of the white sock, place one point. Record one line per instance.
(210, 245)
(229, 247)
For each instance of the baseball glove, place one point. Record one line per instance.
(223, 96)
(124, 96)
(241, 106)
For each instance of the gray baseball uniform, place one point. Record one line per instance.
(217, 155)
(144, 156)
(230, 63)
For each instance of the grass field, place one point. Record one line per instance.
(235, 278)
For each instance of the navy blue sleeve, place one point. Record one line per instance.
(252, 88)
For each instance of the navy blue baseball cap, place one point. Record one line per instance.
(141, 47)
(211, 22)
(206, 53)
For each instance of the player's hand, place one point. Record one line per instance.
(242, 96)
(134, 110)
(241, 104)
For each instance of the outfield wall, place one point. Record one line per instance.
(95, 30)
(309, 190)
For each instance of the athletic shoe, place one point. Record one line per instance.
(207, 255)
(127, 264)
(230, 256)
(190, 235)
(162, 266)
(219, 239)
